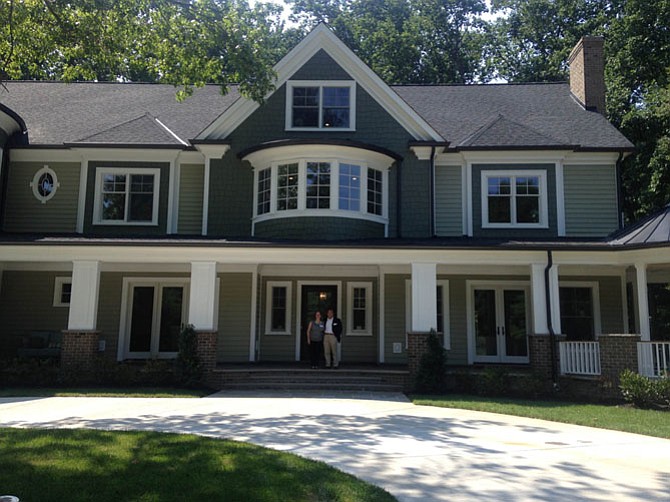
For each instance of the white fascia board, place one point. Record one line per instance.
(514, 156)
(265, 157)
(422, 152)
(322, 38)
(129, 154)
(212, 151)
(591, 158)
(48, 155)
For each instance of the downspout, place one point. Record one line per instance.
(550, 325)
(432, 191)
(619, 194)
(398, 192)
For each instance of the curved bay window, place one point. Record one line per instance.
(320, 185)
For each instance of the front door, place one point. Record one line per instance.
(314, 298)
(500, 317)
(157, 314)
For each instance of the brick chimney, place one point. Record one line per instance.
(587, 73)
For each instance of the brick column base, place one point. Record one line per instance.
(206, 352)
(539, 353)
(417, 346)
(617, 353)
(79, 350)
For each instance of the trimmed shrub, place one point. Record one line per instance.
(431, 377)
(189, 369)
(644, 392)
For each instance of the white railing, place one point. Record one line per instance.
(653, 358)
(580, 358)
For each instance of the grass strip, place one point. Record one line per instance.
(102, 392)
(615, 417)
(85, 465)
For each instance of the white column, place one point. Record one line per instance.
(642, 301)
(202, 304)
(424, 297)
(84, 296)
(538, 293)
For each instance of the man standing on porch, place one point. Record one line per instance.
(332, 337)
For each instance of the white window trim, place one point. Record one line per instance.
(58, 291)
(123, 349)
(351, 331)
(34, 184)
(595, 295)
(334, 209)
(127, 171)
(544, 205)
(446, 336)
(268, 306)
(320, 84)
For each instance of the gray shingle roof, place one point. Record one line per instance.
(457, 112)
(467, 116)
(58, 113)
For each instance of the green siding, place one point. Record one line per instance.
(321, 67)
(109, 310)
(312, 227)
(394, 317)
(458, 321)
(275, 347)
(478, 231)
(231, 179)
(24, 213)
(448, 201)
(191, 184)
(360, 349)
(26, 304)
(127, 230)
(590, 200)
(234, 317)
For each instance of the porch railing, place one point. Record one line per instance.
(653, 358)
(580, 358)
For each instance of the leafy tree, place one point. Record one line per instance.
(181, 42)
(532, 39)
(405, 41)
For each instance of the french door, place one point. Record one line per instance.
(500, 327)
(156, 316)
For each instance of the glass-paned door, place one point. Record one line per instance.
(500, 319)
(314, 298)
(157, 315)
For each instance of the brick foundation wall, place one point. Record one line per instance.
(206, 352)
(79, 349)
(539, 353)
(617, 353)
(417, 346)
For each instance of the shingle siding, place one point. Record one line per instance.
(315, 227)
(448, 201)
(191, 185)
(24, 213)
(590, 200)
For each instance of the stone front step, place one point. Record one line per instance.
(309, 379)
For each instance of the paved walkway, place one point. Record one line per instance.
(416, 453)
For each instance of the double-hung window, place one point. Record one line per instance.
(62, 291)
(126, 196)
(320, 105)
(514, 198)
(318, 185)
(278, 308)
(359, 302)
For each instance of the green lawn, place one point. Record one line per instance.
(619, 418)
(84, 465)
(102, 392)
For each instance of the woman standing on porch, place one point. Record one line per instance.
(315, 339)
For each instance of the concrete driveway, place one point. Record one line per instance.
(416, 453)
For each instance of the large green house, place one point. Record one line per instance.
(489, 213)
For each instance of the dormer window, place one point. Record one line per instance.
(320, 105)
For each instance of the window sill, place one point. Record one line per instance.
(512, 226)
(335, 213)
(359, 334)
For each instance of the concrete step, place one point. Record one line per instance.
(372, 387)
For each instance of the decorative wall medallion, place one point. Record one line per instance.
(44, 184)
